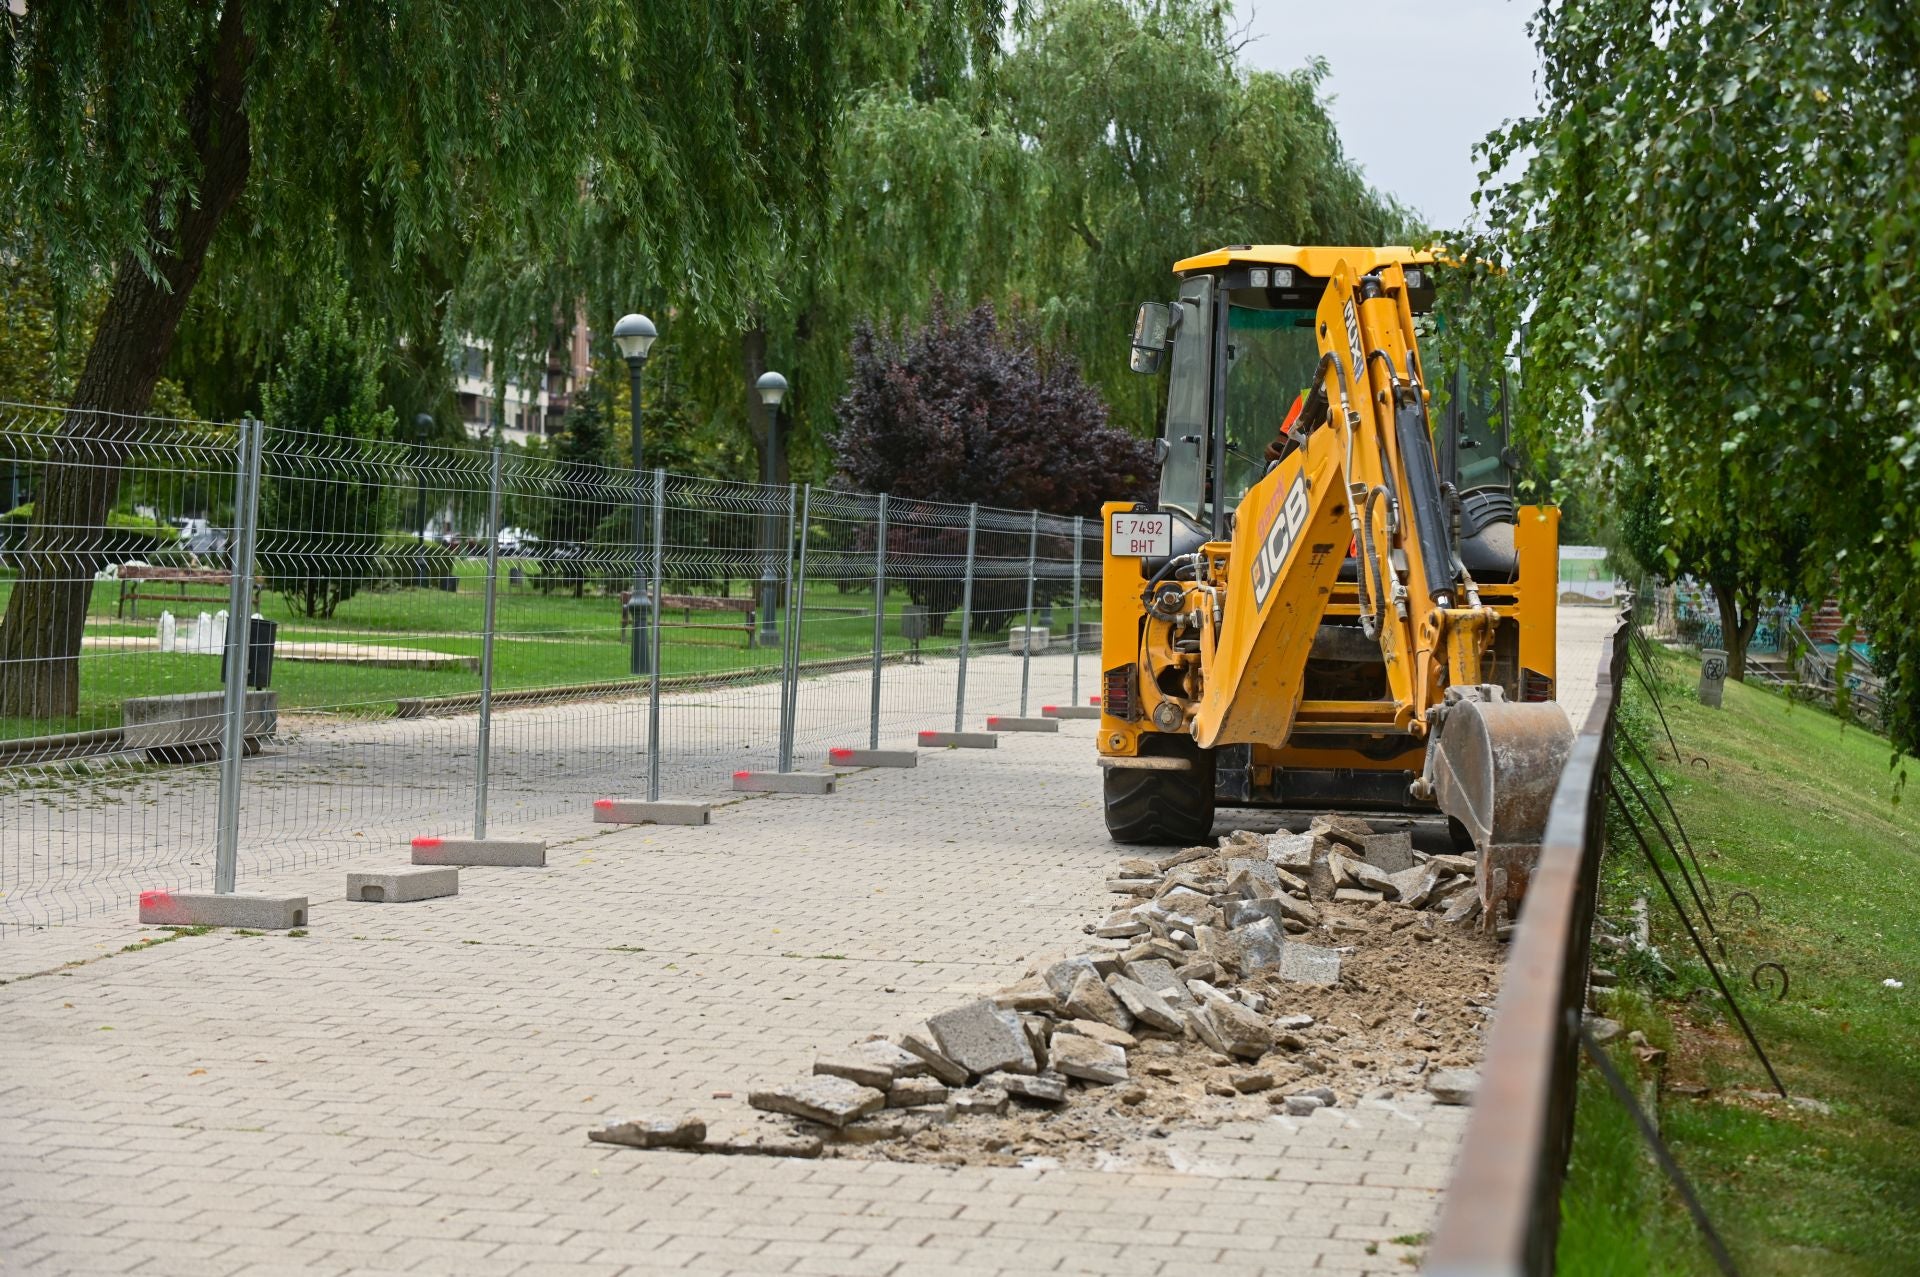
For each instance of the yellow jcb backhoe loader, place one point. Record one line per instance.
(1320, 611)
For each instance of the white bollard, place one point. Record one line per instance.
(169, 631)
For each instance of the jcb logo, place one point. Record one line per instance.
(1271, 557)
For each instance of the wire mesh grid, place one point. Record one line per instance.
(114, 548)
(449, 639)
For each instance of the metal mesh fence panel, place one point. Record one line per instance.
(115, 575)
(443, 640)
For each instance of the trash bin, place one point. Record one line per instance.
(261, 634)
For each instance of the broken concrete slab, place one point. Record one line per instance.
(1250, 1081)
(1090, 999)
(1342, 830)
(1158, 975)
(1088, 1060)
(651, 1132)
(1174, 859)
(762, 1142)
(830, 1101)
(1040, 1088)
(1349, 872)
(1244, 913)
(1303, 1105)
(222, 909)
(1030, 994)
(1389, 853)
(972, 1101)
(839, 757)
(920, 1042)
(1241, 1031)
(1039, 1028)
(876, 1064)
(491, 853)
(403, 886)
(913, 1092)
(1309, 964)
(1453, 1086)
(1260, 944)
(958, 740)
(1145, 1005)
(1290, 851)
(1122, 925)
(1259, 870)
(1098, 1032)
(1415, 886)
(1060, 976)
(982, 1039)
(1464, 907)
(1355, 895)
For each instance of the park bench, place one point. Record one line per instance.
(687, 605)
(194, 585)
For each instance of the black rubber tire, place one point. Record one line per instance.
(1162, 808)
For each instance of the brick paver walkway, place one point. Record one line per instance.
(407, 1088)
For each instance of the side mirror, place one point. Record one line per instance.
(1150, 330)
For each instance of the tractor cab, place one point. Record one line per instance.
(1239, 348)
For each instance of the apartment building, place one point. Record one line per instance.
(528, 411)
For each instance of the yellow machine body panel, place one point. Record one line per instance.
(1292, 532)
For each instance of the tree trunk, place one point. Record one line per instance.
(1737, 625)
(46, 616)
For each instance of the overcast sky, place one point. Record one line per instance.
(1415, 83)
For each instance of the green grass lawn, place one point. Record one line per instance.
(546, 640)
(1804, 812)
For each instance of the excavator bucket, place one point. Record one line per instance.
(1493, 766)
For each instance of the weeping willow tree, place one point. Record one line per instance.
(1064, 175)
(514, 154)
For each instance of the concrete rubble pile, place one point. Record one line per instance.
(1205, 946)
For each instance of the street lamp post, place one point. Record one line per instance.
(634, 336)
(772, 389)
(423, 430)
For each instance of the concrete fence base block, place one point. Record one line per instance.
(212, 909)
(783, 782)
(638, 811)
(1070, 711)
(494, 853)
(399, 886)
(959, 740)
(1008, 723)
(872, 758)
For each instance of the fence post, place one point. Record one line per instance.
(879, 623)
(1077, 548)
(246, 518)
(789, 650)
(966, 621)
(484, 752)
(653, 637)
(1026, 646)
(790, 690)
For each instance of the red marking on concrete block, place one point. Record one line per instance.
(603, 803)
(1048, 709)
(927, 733)
(155, 899)
(993, 720)
(838, 752)
(426, 842)
(1093, 700)
(742, 775)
